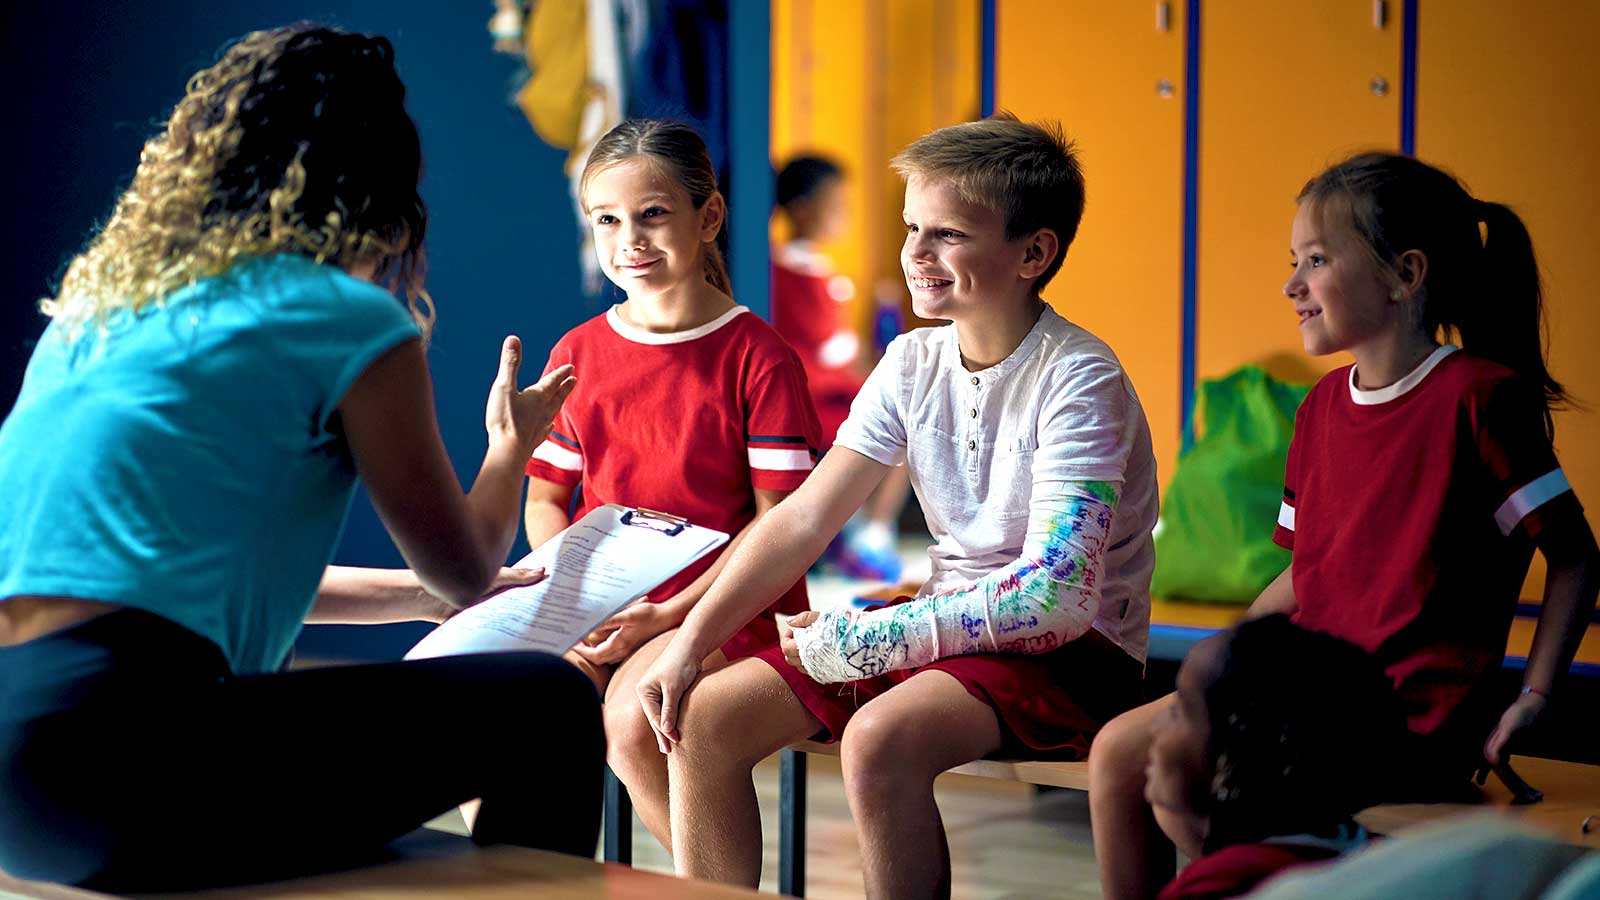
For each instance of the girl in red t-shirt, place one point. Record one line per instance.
(1420, 481)
(689, 404)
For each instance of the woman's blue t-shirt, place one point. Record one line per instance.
(187, 460)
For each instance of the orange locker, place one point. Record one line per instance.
(835, 91)
(1112, 73)
(1287, 87)
(1505, 99)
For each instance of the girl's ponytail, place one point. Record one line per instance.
(1507, 322)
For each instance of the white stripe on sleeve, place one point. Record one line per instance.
(780, 460)
(1286, 516)
(1530, 497)
(559, 456)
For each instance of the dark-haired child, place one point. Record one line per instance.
(1257, 749)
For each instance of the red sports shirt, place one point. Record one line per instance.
(689, 423)
(1412, 512)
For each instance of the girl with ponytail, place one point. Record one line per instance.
(689, 404)
(1420, 482)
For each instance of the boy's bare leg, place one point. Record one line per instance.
(630, 744)
(731, 720)
(892, 751)
(1131, 844)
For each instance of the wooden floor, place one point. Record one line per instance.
(1006, 841)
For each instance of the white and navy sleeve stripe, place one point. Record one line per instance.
(1286, 511)
(1524, 500)
(560, 451)
(780, 453)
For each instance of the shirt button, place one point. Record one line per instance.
(974, 413)
(972, 445)
(974, 380)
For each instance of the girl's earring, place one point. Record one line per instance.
(1395, 294)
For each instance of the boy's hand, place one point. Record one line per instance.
(787, 639)
(524, 416)
(615, 639)
(662, 689)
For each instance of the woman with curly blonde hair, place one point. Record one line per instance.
(223, 361)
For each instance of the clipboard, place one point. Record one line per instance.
(595, 567)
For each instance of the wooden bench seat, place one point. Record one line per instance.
(435, 864)
(1570, 810)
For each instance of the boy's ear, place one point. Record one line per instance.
(712, 212)
(1038, 252)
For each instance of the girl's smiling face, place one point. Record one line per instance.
(648, 236)
(1339, 292)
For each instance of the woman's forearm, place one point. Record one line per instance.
(496, 499)
(359, 596)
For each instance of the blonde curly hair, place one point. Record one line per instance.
(295, 141)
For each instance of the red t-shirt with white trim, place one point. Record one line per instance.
(1413, 512)
(1239, 869)
(688, 423)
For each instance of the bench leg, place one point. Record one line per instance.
(792, 823)
(618, 822)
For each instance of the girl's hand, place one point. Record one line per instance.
(787, 639)
(523, 416)
(617, 637)
(662, 689)
(508, 577)
(1496, 750)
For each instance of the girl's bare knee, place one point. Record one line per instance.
(629, 738)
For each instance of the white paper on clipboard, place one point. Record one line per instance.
(601, 563)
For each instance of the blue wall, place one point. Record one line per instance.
(90, 82)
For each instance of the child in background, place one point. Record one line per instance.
(1258, 748)
(1420, 480)
(690, 405)
(807, 298)
(1031, 456)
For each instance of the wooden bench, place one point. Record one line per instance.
(1570, 810)
(438, 864)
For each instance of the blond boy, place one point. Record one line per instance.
(1030, 454)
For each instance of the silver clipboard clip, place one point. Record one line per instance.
(666, 523)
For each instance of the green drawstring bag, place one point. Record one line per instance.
(1214, 539)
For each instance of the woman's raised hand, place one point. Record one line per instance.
(524, 416)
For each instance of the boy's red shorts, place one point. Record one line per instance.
(1049, 706)
(758, 634)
